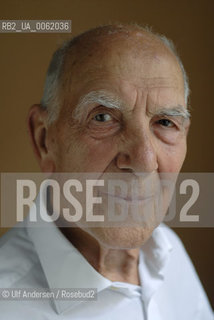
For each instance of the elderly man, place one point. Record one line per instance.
(115, 102)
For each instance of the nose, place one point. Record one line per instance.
(138, 153)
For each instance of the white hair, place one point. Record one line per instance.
(51, 100)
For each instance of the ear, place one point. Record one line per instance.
(37, 127)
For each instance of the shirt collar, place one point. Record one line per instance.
(65, 267)
(154, 257)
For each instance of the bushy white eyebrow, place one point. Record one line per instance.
(178, 111)
(100, 97)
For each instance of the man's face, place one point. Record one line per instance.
(128, 124)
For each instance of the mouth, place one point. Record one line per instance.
(132, 199)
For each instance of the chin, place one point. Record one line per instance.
(121, 237)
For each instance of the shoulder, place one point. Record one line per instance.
(179, 259)
(172, 235)
(17, 255)
(182, 281)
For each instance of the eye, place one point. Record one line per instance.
(103, 117)
(103, 124)
(166, 123)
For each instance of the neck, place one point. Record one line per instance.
(114, 264)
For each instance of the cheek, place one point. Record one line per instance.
(71, 151)
(99, 153)
(171, 158)
(78, 152)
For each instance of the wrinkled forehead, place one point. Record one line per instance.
(135, 58)
(117, 52)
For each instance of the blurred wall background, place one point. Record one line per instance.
(24, 60)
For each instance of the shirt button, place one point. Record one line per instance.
(114, 288)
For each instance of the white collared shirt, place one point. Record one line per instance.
(41, 257)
